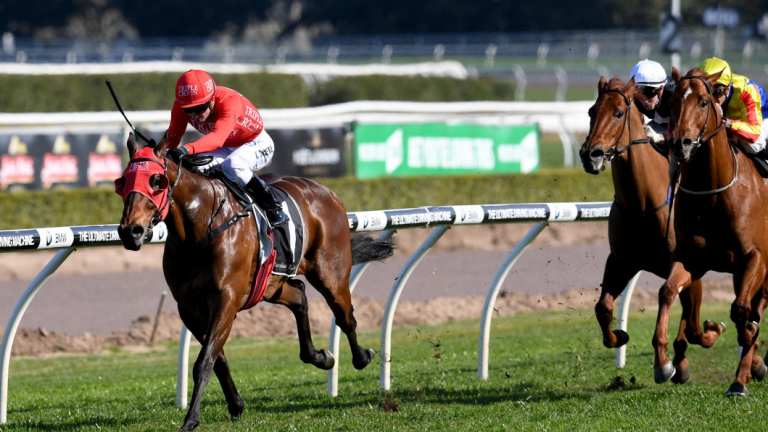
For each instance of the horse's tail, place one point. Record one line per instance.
(366, 249)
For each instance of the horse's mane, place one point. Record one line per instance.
(695, 72)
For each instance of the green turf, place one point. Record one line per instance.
(548, 372)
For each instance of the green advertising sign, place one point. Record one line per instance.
(442, 149)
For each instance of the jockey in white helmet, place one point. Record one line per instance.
(651, 81)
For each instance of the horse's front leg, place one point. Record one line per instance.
(291, 293)
(679, 279)
(615, 278)
(747, 318)
(691, 330)
(223, 310)
(235, 404)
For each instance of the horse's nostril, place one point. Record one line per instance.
(137, 231)
(687, 141)
(596, 153)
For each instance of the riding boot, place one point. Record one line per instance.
(264, 196)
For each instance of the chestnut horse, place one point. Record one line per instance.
(210, 275)
(719, 220)
(639, 231)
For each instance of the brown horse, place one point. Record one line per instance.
(210, 276)
(719, 220)
(639, 234)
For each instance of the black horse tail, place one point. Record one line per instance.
(366, 249)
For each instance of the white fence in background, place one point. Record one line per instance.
(562, 118)
(67, 239)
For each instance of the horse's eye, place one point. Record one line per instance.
(618, 114)
(703, 103)
(158, 182)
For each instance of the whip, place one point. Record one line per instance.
(149, 141)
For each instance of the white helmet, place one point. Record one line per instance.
(648, 73)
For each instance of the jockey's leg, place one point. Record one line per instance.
(240, 167)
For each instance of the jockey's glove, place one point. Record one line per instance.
(177, 153)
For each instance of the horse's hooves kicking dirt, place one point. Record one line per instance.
(664, 373)
(736, 389)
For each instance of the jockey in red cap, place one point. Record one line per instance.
(233, 131)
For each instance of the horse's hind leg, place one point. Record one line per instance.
(617, 275)
(333, 284)
(291, 293)
(678, 280)
(690, 330)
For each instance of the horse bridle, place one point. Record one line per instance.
(615, 149)
(157, 216)
(702, 140)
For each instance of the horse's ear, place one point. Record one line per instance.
(629, 87)
(162, 145)
(676, 74)
(714, 77)
(133, 146)
(601, 85)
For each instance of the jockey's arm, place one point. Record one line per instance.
(177, 127)
(222, 128)
(748, 128)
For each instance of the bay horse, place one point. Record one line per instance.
(720, 222)
(210, 270)
(640, 234)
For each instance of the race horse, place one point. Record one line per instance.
(211, 258)
(639, 228)
(720, 214)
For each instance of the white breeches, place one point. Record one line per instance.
(239, 164)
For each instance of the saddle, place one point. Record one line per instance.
(286, 240)
(760, 163)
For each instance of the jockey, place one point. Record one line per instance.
(651, 81)
(742, 107)
(234, 136)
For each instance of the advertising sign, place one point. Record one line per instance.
(444, 149)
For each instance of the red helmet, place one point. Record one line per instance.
(194, 87)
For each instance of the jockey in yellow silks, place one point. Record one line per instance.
(742, 106)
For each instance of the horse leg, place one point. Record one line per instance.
(223, 309)
(747, 318)
(759, 369)
(615, 278)
(333, 284)
(235, 404)
(678, 279)
(291, 294)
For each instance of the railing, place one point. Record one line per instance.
(440, 218)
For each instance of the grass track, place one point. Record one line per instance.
(548, 372)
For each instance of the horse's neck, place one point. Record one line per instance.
(191, 198)
(640, 175)
(712, 166)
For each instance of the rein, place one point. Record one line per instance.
(702, 140)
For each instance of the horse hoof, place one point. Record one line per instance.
(736, 389)
(622, 338)
(759, 371)
(716, 327)
(189, 426)
(664, 373)
(327, 361)
(364, 360)
(681, 376)
(235, 411)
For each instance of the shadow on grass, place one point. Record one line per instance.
(474, 395)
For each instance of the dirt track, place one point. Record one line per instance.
(109, 296)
